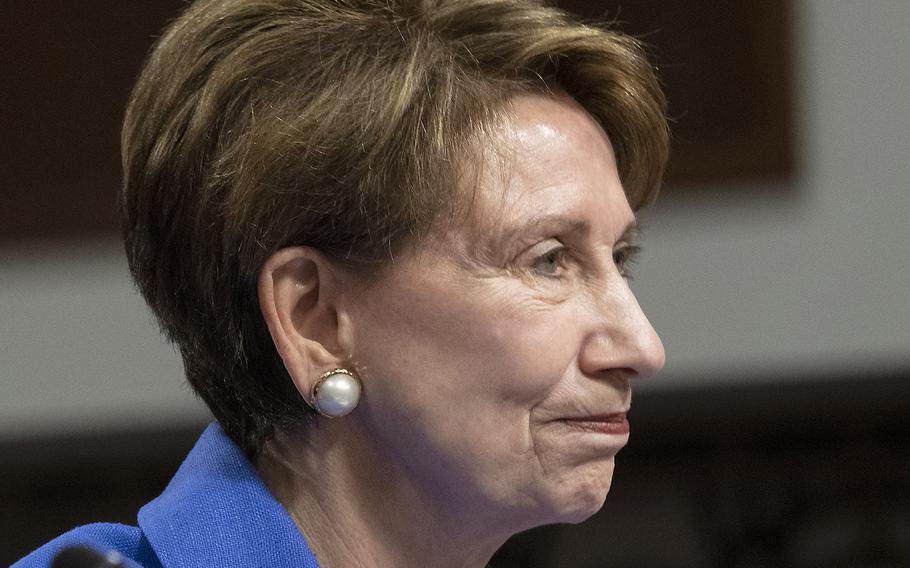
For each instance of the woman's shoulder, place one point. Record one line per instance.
(216, 511)
(128, 541)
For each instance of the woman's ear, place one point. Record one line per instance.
(297, 290)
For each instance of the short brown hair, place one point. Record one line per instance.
(337, 124)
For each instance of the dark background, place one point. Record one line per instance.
(805, 475)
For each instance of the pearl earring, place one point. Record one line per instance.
(336, 393)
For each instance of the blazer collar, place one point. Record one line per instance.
(217, 512)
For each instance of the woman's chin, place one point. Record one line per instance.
(583, 506)
(574, 502)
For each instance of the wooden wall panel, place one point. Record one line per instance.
(66, 69)
(726, 67)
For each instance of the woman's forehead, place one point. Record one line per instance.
(546, 157)
(546, 169)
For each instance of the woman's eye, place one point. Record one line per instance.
(550, 263)
(624, 258)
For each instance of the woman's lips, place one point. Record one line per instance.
(605, 424)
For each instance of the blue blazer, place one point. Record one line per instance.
(215, 512)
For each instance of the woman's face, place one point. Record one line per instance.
(497, 358)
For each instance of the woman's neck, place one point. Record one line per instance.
(356, 509)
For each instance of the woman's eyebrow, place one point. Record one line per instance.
(632, 232)
(565, 225)
(556, 223)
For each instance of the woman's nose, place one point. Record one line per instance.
(623, 339)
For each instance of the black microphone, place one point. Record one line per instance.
(85, 557)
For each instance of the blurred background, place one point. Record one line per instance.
(776, 269)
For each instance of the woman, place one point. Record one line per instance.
(391, 240)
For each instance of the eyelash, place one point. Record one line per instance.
(623, 258)
(555, 255)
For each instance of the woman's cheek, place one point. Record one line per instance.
(538, 349)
